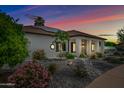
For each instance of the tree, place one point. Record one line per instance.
(61, 38)
(13, 48)
(110, 44)
(120, 35)
(39, 21)
(120, 46)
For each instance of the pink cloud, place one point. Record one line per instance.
(100, 15)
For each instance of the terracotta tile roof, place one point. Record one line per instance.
(74, 33)
(36, 30)
(49, 31)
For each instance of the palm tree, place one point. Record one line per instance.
(39, 21)
(61, 38)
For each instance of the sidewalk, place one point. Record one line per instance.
(112, 79)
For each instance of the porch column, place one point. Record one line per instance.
(78, 47)
(89, 47)
(97, 46)
(103, 47)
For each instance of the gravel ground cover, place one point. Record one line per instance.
(65, 78)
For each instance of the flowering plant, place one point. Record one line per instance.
(31, 74)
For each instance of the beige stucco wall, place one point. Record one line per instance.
(43, 42)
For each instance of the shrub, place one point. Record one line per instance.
(96, 55)
(117, 53)
(82, 55)
(13, 44)
(99, 55)
(39, 54)
(115, 60)
(52, 68)
(93, 56)
(80, 72)
(31, 74)
(70, 56)
(121, 59)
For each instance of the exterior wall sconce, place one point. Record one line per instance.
(52, 46)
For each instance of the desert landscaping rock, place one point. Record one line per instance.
(64, 76)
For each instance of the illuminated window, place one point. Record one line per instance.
(93, 46)
(73, 47)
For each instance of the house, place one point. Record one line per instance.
(43, 38)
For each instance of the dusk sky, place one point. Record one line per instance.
(97, 20)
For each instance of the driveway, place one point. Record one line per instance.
(113, 78)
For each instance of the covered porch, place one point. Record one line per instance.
(86, 46)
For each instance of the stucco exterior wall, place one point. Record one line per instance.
(43, 42)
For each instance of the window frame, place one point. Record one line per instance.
(72, 51)
(93, 43)
(58, 47)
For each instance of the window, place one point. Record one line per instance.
(84, 46)
(100, 43)
(93, 46)
(73, 47)
(58, 46)
(64, 47)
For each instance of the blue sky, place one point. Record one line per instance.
(90, 19)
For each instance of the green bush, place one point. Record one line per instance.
(13, 44)
(82, 55)
(93, 56)
(52, 68)
(70, 56)
(39, 54)
(96, 55)
(99, 55)
(115, 60)
(80, 72)
(121, 58)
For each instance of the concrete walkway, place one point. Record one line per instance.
(112, 79)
